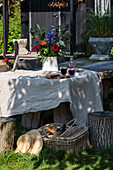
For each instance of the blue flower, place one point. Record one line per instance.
(49, 36)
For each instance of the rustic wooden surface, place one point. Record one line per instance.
(62, 113)
(31, 120)
(101, 129)
(105, 70)
(7, 129)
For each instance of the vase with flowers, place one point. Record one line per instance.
(50, 45)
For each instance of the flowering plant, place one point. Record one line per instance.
(51, 43)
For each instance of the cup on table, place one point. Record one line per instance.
(63, 70)
(71, 71)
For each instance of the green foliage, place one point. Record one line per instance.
(99, 26)
(14, 27)
(111, 52)
(41, 34)
(1, 34)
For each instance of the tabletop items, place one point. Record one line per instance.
(70, 70)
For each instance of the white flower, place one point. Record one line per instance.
(60, 43)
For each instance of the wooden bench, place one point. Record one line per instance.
(23, 57)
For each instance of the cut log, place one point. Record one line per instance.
(62, 113)
(7, 129)
(31, 120)
(101, 129)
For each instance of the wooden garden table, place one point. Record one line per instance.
(29, 91)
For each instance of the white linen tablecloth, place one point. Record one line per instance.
(28, 91)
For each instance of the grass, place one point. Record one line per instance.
(89, 159)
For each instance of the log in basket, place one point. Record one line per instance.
(74, 139)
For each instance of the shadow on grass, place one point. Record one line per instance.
(89, 159)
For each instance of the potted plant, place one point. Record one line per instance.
(50, 45)
(100, 34)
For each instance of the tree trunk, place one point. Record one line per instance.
(62, 113)
(7, 127)
(31, 120)
(101, 129)
(25, 21)
(5, 26)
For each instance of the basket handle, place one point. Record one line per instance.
(74, 123)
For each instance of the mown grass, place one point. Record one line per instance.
(89, 159)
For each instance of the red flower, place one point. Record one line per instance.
(6, 59)
(37, 47)
(55, 47)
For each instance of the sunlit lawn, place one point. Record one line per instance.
(49, 159)
(90, 159)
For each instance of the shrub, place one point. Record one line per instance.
(99, 26)
(14, 27)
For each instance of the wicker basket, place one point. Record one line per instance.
(74, 139)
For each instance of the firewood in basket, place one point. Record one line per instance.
(51, 130)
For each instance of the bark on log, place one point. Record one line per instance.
(62, 113)
(31, 120)
(101, 129)
(7, 129)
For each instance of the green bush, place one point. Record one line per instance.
(99, 26)
(1, 34)
(14, 27)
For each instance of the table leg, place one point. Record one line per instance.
(62, 113)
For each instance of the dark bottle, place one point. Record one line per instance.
(57, 132)
(63, 128)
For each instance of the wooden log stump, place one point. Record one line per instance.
(31, 120)
(101, 129)
(7, 129)
(62, 113)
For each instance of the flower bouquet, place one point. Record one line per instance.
(51, 43)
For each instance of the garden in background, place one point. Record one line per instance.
(91, 158)
(14, 25)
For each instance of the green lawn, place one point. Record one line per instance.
(49, 159)
(90, 159)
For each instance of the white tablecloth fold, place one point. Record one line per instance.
(28, 91)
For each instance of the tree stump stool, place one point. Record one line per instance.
(62, 113)
(31, 120)
(101, 129)
(7, 129)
